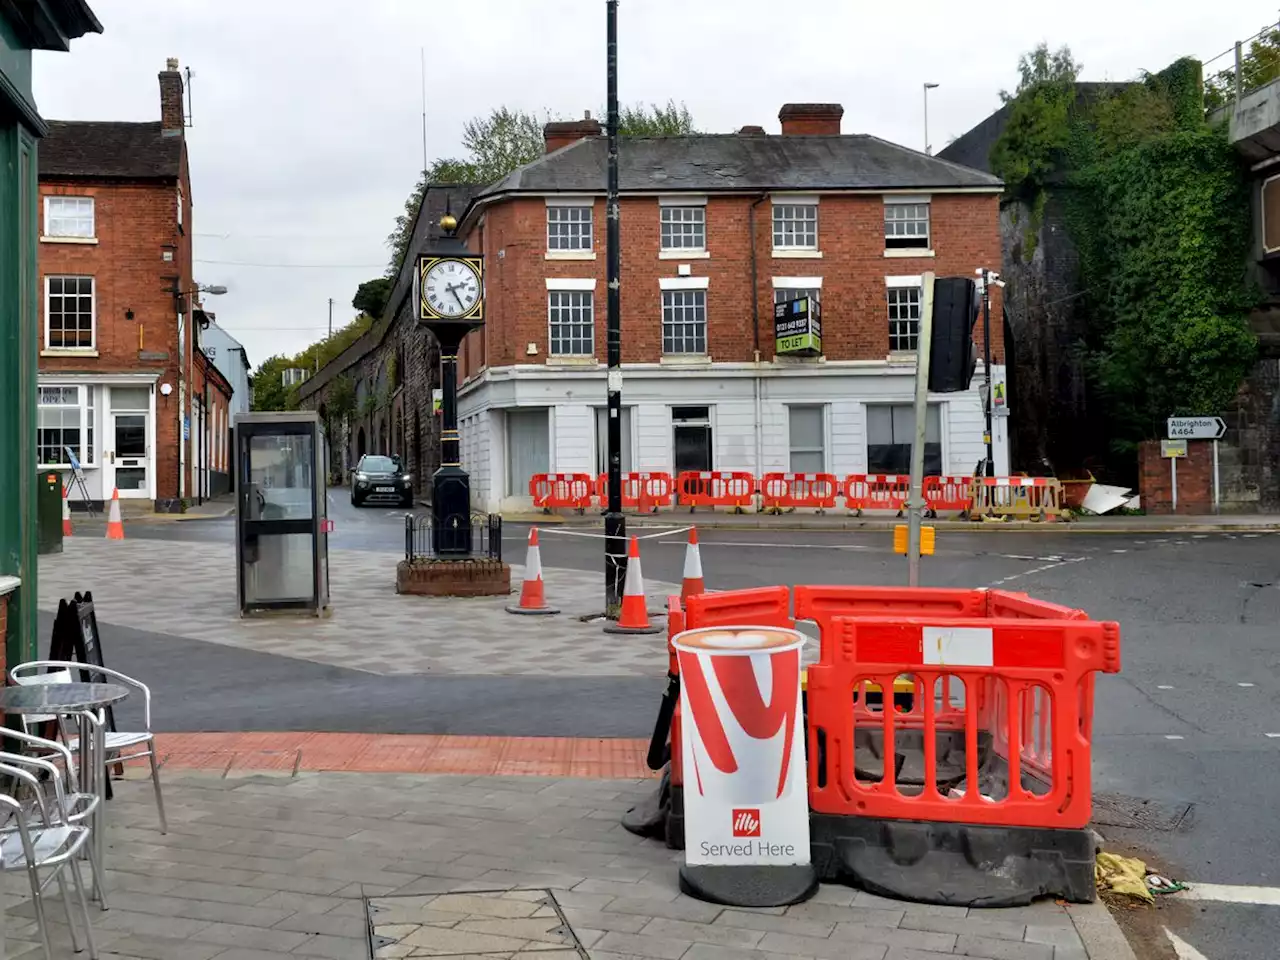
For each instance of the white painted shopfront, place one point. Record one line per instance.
(837, 417)
(108, 423)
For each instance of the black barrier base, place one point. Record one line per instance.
(648, 818)
(633, 631)
(954, 863)
(754, 886)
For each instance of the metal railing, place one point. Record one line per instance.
(1225, 72)
(476, 536)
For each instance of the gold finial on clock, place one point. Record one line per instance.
(449, 223)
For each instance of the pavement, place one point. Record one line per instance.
(1186, 738)
(297, 865)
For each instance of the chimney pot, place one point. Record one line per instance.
(751, 130)
(171, 63)
(561, 133)
(806, 119)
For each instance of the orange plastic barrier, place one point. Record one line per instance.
(998, 731)
(558, 490)
(876, 492)
(787, 490)
(644, 491)
(1018, 498)
(948, 493)
(716, 488)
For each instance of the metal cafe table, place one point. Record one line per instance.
(79, 699)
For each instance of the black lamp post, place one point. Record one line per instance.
(615, 523)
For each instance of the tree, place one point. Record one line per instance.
(507, 139)
(1040, 67)
(371, 296)
(269, 391)
(1259, 66)
(1038, 127)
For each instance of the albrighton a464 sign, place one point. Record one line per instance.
(1196, 428)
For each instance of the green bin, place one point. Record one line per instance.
(49, 511)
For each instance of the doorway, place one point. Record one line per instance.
(128, 448)
(528, 448)
(691, 438)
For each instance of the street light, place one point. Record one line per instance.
(988, 277)
(927, 87)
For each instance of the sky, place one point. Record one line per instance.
(307, 132)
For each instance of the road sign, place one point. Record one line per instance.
(1173, 448)
(1196, 428)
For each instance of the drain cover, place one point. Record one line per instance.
(507, 924)
(1140, 813)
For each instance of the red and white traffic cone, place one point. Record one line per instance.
(533, 601)
(66, 514)
(693, 582)
(633, 617)
(115, 528)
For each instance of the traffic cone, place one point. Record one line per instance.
(115, 528)
(633, 617)
(533, 601)
(693, 582)
(66, 514)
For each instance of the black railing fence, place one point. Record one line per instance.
(477, 535)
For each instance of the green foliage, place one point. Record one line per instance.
(371, 296)
(507, 139)
(340, 399)
(1038, 128)
(1259, 66)
(269, 392)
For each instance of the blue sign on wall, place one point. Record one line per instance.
(186, 427)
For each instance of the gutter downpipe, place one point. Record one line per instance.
(755, 333)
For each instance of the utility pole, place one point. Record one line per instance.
(615, 524)
(987, 278)
(331, 316)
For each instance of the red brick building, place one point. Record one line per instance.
(117, 367)
(716, 229)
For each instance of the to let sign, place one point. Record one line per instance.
(797, 326)
(1196, 428)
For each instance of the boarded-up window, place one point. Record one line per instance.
(1271, 215)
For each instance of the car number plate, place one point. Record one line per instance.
(385, 489)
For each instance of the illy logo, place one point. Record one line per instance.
(746, 823)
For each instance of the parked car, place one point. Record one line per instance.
(381, 480)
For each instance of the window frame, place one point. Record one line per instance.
(49, 201)
(590, 304)
(86, 428)
(898, 285)
(905, 242)
(932, 407)
(821, 410)
(663, 224)
(585, 204)
(93, 313)
(782, 204)
(679, 292)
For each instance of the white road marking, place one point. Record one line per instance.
(1250, 536)
(1246, 684)
(1184, 950)
(1119, 551)
(1231, 893)
(1199, 536)
(775, 546)
(1273, 736)
(1174, 736)
(1040, 569)
(1164, 686)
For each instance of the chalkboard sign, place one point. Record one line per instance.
(76, 638)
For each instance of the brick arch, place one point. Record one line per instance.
(382, 437)
(360, 444)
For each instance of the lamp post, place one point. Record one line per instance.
(927, 87)
(615, 524)
(987, 278)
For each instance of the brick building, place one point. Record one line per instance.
(117, 301)
(715, 230)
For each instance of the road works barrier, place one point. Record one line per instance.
(948, 493)
(645, 491)
(1017, 498)
(785, 491)
(876, 492)
(716, 488)
(552, 491)
(987, 789)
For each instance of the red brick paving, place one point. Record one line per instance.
(406, 753)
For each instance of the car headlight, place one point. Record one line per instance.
(407, 477)
(362, 476)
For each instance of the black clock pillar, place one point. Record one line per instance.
(450, 485)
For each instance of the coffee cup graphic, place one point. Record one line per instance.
(740, 687)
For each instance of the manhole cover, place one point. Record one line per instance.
(1139, 813)
(511, 924)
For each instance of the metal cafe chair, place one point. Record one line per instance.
(76, 807)
(120, 746)
(39, 841)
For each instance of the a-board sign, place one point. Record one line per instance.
(797, 326)
(1173, 448)
(76, 638)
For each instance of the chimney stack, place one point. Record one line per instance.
(172, 122)
(751, 130)
(561, 133)
(807, 119)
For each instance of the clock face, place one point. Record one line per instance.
(451, 287)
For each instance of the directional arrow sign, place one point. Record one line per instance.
(1196, 428)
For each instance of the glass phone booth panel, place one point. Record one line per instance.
(281, 539)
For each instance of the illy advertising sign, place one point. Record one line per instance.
(746, 801)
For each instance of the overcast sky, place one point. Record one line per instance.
(307, 132)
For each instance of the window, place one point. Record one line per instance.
(602, 439)
(808, 450)
(906, 225)
(691, 438)
(904, 318)
(568, 228)
(68, 217)
(179, 205)
(64, 418)
(787, 294)
(890, 430)
(684, 321)
(571, 323)
(684, 228)
(69, 313)
(795, 226)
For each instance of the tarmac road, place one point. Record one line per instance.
(1187, 736)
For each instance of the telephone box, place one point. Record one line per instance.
(282, 539)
